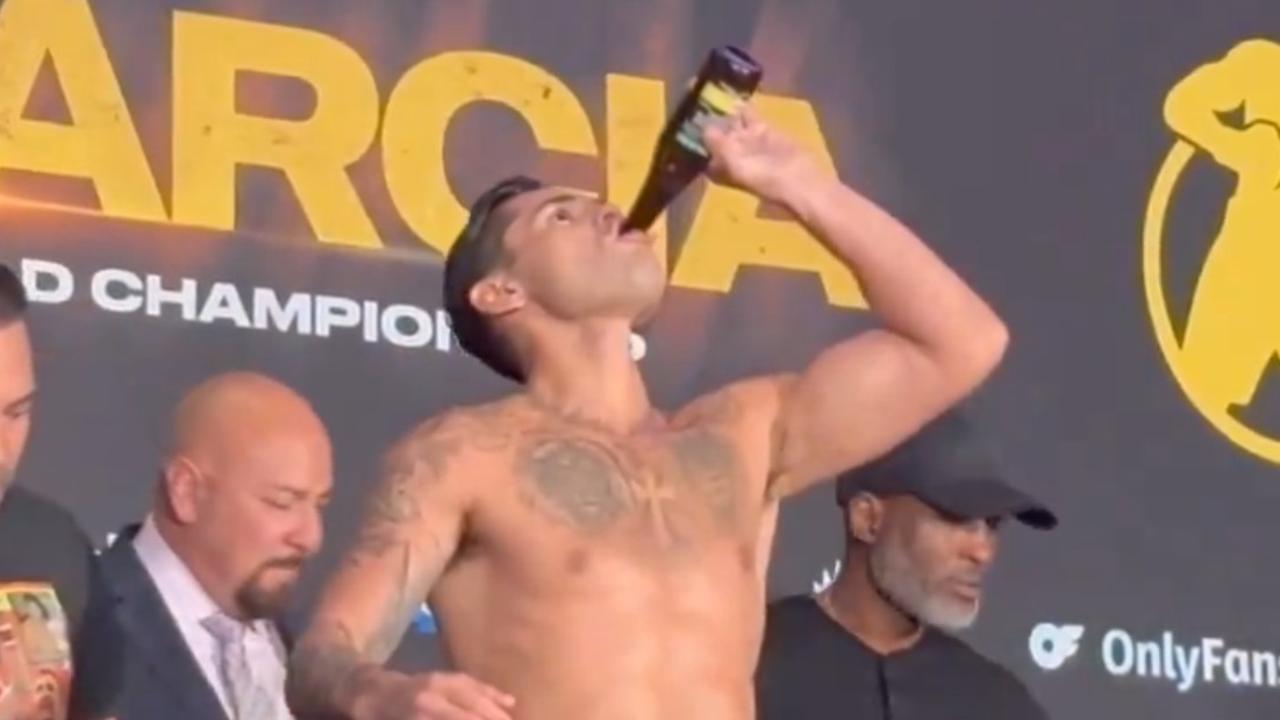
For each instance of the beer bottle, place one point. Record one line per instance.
(726, 81)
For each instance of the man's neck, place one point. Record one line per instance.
(586, 374)
(178, 544)
(858, 606)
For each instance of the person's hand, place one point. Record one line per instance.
(434, 696)
(748, 154)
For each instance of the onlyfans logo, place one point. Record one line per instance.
(1052, 645)
(1207, 660)
(1204, 661)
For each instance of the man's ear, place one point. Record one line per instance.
(184, 489)
(866, 517)
(497, 294)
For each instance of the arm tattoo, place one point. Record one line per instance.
(326, 668)
(413, 584)
(395, 508)
(394, 530)
(331, 666)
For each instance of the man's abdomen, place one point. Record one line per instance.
(617, 638)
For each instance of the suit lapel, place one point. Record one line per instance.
(150, 627)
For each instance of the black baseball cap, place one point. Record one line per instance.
(947, 466)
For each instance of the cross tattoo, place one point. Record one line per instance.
(652, 493)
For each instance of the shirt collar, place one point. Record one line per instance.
(182, 592)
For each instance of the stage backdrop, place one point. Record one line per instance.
(190, 187)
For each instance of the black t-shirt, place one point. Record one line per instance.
(811, 668)
(56, 614)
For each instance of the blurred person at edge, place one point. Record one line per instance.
(920, 534)
(55, 606)
(202, 583)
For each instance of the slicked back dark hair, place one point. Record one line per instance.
(477, 252)
(13, 297)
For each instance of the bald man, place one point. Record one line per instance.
(201, 583)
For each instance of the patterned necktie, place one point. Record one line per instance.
(248, 701)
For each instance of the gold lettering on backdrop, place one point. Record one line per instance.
(635, 111)
(431, 93)
(100, 144)
(211, 138)
(727, 232)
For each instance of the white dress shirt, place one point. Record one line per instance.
(190, 605)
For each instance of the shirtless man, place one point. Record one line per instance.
(590, 558)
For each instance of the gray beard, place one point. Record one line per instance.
(898, 582)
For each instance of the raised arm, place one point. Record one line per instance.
(861, 396)
(1193, 106)
(412, 527)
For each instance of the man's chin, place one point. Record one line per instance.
(261, 600)
(648, 311)
(952, 613)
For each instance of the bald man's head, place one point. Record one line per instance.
(226, 414)
(248, 469)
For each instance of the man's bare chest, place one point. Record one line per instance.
(666, 490)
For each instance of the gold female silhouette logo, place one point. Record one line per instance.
(1232, 330)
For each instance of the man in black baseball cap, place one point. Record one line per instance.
(921, 529)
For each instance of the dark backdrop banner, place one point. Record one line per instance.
(190, 187)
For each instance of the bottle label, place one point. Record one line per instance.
(716, 100)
